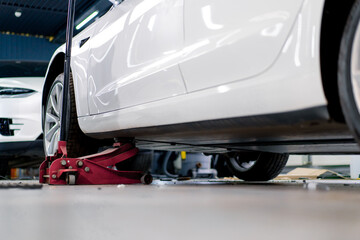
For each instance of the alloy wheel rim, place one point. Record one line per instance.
(355, 68)
(242, 165)
(53, 119)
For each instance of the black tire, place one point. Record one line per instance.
(220, 165)
(4, 167)
(141, 162)
(346, 88)
(257, 166)
(78, 144)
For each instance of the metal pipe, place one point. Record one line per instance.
(69, 35)
(165, 163)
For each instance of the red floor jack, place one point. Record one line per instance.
(92, 169)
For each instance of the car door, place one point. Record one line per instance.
(79, 63)
(231, 40)
(135, 54)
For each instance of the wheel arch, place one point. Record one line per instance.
(56, 67)
(334, 19)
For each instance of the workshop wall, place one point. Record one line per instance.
(25, 48)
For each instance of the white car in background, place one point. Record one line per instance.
(21, 86)
(255, 80)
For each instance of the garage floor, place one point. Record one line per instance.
(182, 210)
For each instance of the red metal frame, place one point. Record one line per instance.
(92, 169)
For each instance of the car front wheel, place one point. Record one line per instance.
(78, 144)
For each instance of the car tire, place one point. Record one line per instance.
(4, 167)
(220, 165)
(78, 144)
(349, 64)
(141, 162)
(256, 166)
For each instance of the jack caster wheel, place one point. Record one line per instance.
(70, 179)
(146, 179)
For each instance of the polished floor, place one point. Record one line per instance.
(182, 210)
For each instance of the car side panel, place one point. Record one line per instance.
(292, 83)
(79, 66)
(230, 40)
(135, 54)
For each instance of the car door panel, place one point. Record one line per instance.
(79, 63)
(135, 54)
(227, 44)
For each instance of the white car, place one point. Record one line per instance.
(21, 85)
(254, 80)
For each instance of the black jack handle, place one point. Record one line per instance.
(69, 35)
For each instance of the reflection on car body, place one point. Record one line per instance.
(210, 76)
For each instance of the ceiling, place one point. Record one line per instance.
(44, 17)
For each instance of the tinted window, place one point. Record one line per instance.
(23, 69)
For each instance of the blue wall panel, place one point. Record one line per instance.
(22, 48)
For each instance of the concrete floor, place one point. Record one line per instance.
(182, 210)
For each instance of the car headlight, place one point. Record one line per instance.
(15, 92)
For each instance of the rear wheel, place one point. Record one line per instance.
(349, 71)
(4, 167)
(256, 166)
(78, 144)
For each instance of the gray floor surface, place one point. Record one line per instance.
(182, 210)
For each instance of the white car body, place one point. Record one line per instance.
(148, 64)
(23, 114)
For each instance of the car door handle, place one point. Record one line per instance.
(83, 41)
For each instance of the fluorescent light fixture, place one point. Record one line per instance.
(86, 20)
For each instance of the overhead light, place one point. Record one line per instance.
(18, 13)
(86, 20)
(115, 2)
